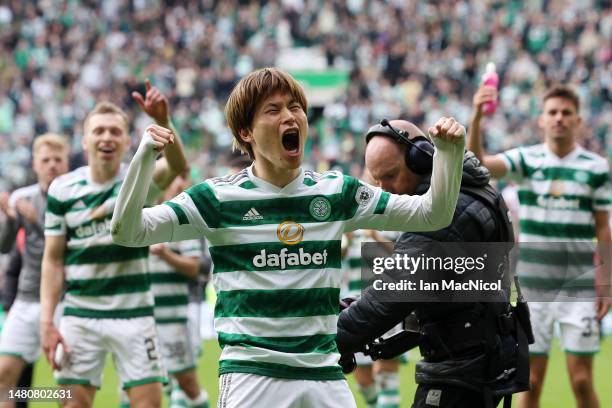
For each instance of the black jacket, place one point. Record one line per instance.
(473, 221)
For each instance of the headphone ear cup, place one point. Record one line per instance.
(419, 162)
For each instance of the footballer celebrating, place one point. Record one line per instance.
(108, 301)
(275, 231)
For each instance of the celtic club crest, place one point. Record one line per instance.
(320, 208)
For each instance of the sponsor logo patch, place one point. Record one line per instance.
(364, 195)
(290, 233)
(252, 215)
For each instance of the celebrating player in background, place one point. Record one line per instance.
(564, 199)
(377, 381)
(274, 232)
(172, 266)
(108, 301)
(20, 342)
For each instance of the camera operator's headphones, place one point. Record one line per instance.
(419, 150)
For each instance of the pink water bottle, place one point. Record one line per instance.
(490, 78)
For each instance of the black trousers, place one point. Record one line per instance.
(448, 396)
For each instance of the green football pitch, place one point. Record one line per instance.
(557, 392)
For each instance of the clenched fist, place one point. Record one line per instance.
(158, 137)
(448, 129)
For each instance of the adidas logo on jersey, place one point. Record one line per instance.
(251, 215)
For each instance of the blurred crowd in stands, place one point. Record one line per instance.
(412, 59)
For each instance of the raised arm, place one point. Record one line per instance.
(494, 163)
(155, 104)
(434, 210)
(131, 225)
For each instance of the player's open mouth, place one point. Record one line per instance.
(106, 149)
(291, 141)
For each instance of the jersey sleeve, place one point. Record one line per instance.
(602, 193)
(195, 210)
(191, 247)
(515, 163)
(55, 214)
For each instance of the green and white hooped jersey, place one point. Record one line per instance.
(353, 260)
(352, 263)
(103, 280)
(557, 199)
(170, 288)
(277, 267)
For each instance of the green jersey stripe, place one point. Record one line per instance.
(355, 285)
(275, 255)
(523, 169)
(382, 203)
(603, 202)
(248, 185)
(206, 202)
(54, 206)
(109, 314)
(354, 263)
(104, 254)
(318, 343)
(171, 300)
(167, 277)
(552, 257)
(277, 303)
(574, 231)
(180, 214)
(89, 200)
(509, 160)
(170, 320)
(108, 286)
(280, 370)
(536, 282)
(275, 210)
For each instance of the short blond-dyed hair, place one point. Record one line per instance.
(52, 140)
(107, 107)
(250, 92)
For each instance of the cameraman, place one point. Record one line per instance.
(457, 371)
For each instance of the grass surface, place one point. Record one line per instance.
(557, 392)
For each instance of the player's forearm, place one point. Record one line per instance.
(129, 227)
(51, 285)
(474, 140)
(188, 266)
(174, 152)
(604, 253)
(434, 210)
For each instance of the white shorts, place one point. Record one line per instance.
(176, 346)
(132, 342)
(577, 321)
(193, 324)
(239, 390)
(21, 331)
